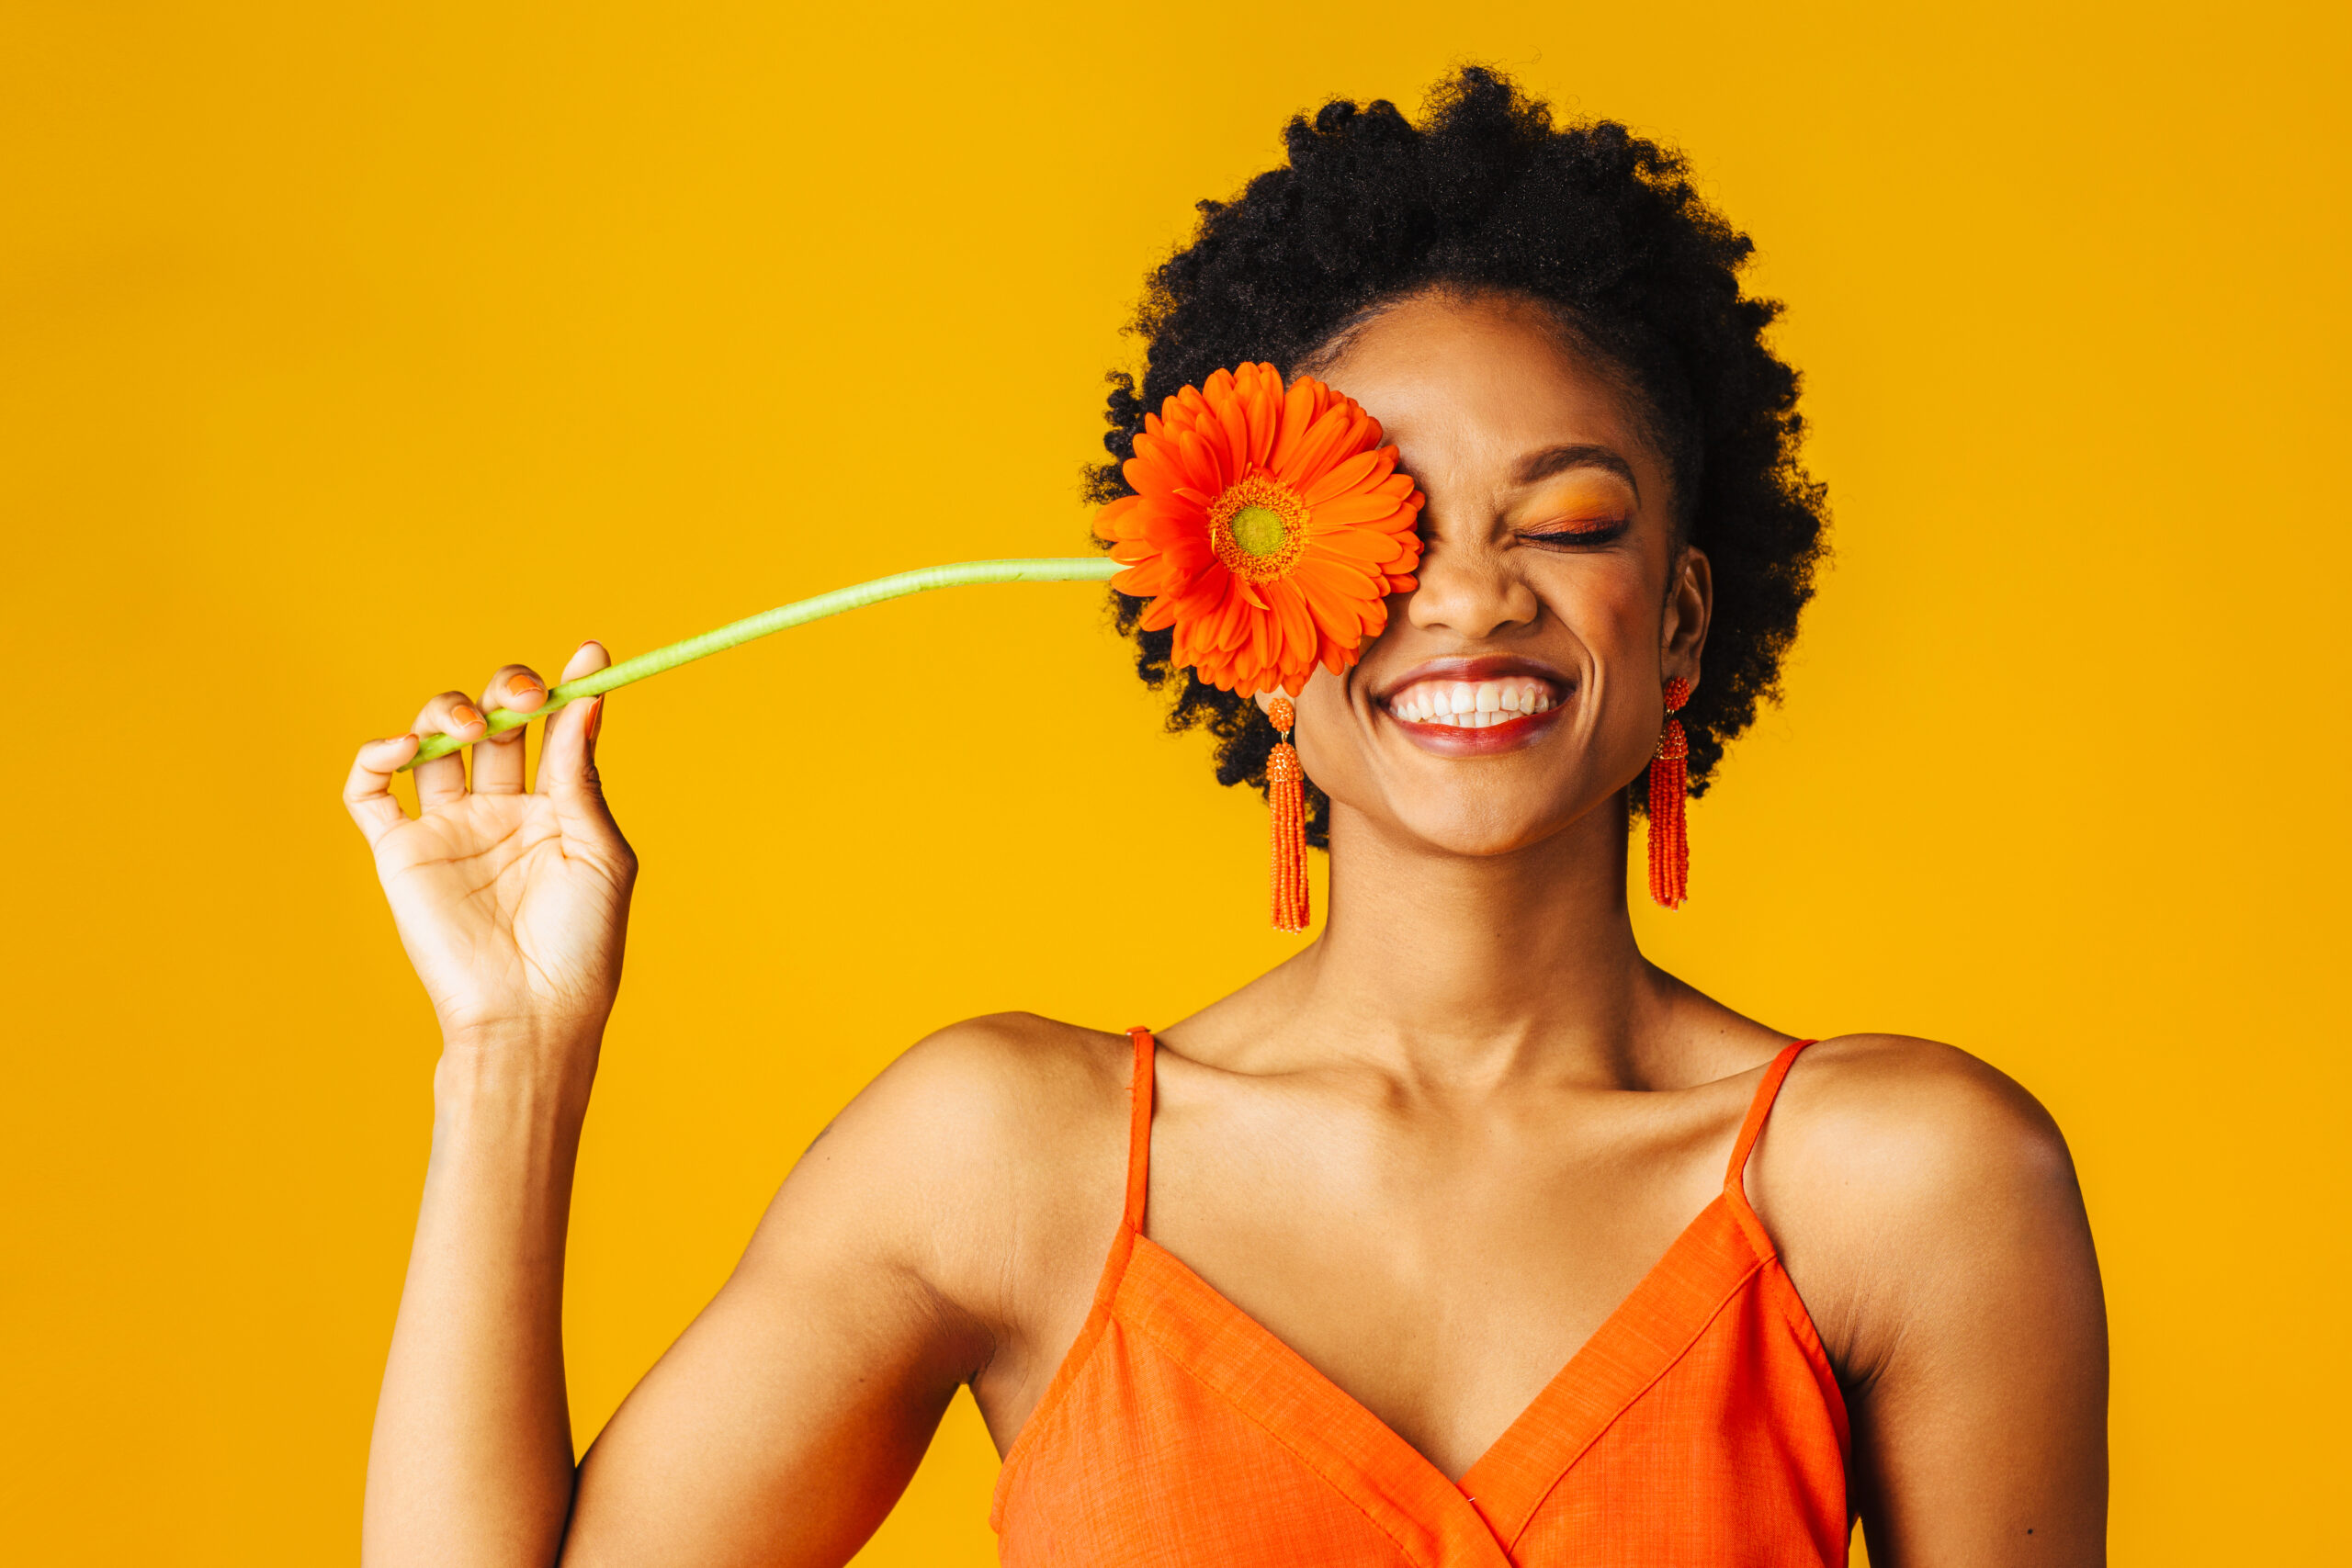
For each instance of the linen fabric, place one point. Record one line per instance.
(1700, 1424)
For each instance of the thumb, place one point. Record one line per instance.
(568, 774)
(567, 759)
(567, 753)
(568, 750)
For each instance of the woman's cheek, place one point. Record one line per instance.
(1326, 736)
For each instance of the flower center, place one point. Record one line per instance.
(1259, 531)
(1258, 528)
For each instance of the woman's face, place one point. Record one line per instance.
(1544, 597)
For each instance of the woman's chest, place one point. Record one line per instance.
(1442, 1280)
(1308, 1349)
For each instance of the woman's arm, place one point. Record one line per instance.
(1928, 1210)
(513, 908)
(785, 1421)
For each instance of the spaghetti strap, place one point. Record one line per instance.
(1702, 1422)
(1753, 1127)
(1138, 1129)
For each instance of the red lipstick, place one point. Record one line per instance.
(1504, 730)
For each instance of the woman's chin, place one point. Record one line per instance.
(1476, 829)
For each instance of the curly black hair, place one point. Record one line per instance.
(1487, 194)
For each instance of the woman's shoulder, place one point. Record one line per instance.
(1005, 1074)
(1891, 1165)
(972, 1099)
(1905, 1112)
(994, 1136)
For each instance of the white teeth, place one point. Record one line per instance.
(1471, 705)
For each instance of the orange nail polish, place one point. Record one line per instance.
(595, 720)
(525, 685)
(463, 717)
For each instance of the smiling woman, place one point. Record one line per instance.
(1465, 1236)
(1598, 240)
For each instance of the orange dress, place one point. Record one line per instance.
(1699, 1426)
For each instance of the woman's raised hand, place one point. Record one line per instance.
(512, 904)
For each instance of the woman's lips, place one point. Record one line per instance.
(1459, 708)
(1508, 734)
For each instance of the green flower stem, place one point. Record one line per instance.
(1075, 569)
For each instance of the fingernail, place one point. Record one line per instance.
(595, 720)
(463, 717)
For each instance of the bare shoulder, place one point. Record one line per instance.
(1909, 1116)
(1895, 1167)
(982, 1146)
(986, 1088)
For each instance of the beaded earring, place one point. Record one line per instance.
(1669, 784)
(1286, 793)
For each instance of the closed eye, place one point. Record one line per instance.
(1582, 535)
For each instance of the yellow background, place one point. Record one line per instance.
(346, 351)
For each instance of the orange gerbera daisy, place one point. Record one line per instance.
(1268, 527)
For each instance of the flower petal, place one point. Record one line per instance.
(1106, 520)
(1362, 546)
(1149, 472)
(1299, 635)
(1356, 512)
(1299, 408)
(1200, 461)
(1232, 437)
(1355, 473)
(1261, 403)
(1325, 441)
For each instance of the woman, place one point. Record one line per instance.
(1465, 1236)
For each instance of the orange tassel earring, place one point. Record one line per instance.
(1286, 793)
(1669, 784)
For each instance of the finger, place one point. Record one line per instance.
(367, 792)
(442, 780)
(564, 749)
(586, 660)
(498, 761)
(567, 766)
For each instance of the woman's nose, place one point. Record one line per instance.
(1469, 590)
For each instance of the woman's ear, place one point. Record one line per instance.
(1689, 604)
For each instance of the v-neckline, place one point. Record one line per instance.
(1185, 1316)
(1437, 1521)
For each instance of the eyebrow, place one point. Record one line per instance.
(1560, 459)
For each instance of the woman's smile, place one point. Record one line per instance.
(1475, 707)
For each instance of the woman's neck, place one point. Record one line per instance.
(1476, 970)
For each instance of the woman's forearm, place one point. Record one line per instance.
(472, 1461)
